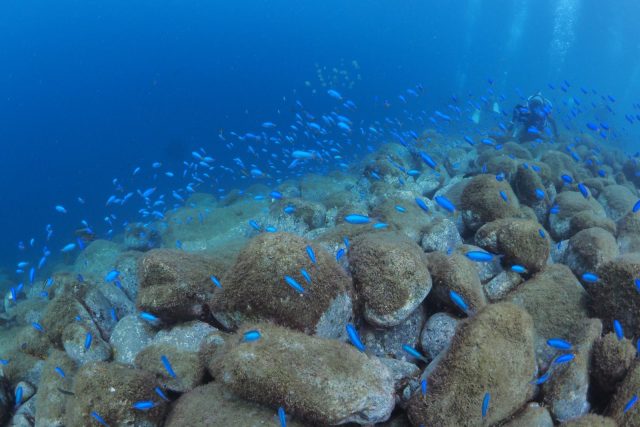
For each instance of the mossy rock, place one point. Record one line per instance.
(519, 240)
(525, 184)
(176, 285)
(492, 352)
(312, 214)
(570, 203)
(481, 201)
(110, 389)
(455, 273)
(626, 390)
(316, 379)
(533, 415)
(62, 311)
(614, 295)
(589, 219)
(617, 201)
(390, 276)
(591, 420)
(629, 233)
(612, 358)
(324, 308)
(412, 222)
(589, 249)
(50, 410)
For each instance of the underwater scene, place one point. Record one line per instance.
(296, 213)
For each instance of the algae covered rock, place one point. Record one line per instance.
(588, 219)
(533, 415)
(589, 249)
(437, 334)
(591, 420)
(390, 276)
(440, 235)
(629, 233)
(110, 390)
(625, 392)
(483, 201)
(316, 379)
(617, 201)
(491, 353)
(176, 285)
(129, 337)
(141, 237)
(612, 358)
(569, 204)
(255, 288)
(455, 273)
(615, 297)
(50, 409)
(388, 341)
(521, 241)
(194, 409)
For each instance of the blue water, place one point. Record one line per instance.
(90, 90)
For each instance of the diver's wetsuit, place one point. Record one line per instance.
(530, 121)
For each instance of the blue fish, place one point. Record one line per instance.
(354, 337)
(518, 269)
(148, 317)
(99, 419)
(422, 204)
(14, 296)
(423, 386)
(636, 207)
(294, 284)
(289, 209)
(479, 256)
(160, 393)
(445, 204)
(539, 194)
(564, 358)
(637, 283)
(590, 277)
(254, 225)
(60, 372)
(413, 352)
(542, 233)
(32, 275)
(542, 379)
(37, 326)
(339, 254)
(559, 343)
(567, 178)
(485, 404)
(630, 404)
(87, 341)
(380, 225)
(357, 219)
(554, 209)
(503, 195)
(111, 276)
(617, 327)
(306, 275)
(282, 416)
(143, 405)
(167, 366)
(311, 254)
(400, 209)
(18, 396)
(216, 281)
(252, 335)
(458, 301)
(584, 190)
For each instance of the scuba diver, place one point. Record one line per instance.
(533, 119)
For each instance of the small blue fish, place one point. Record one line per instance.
(584, 190)
(479, 256)
(354, 337)
(4, 362)
(564, 358)
(422, 204)
(423, 387)
(339, 254)
(539, 194)
(311, 254)
(413, 352)
(503, 195)
(254, 225)
(636, 207)
(99, 419)
(458, 301)
(485, 404)
(252, 335)
(445, 204)
(289, 209)
(357, 219)
(282, 416)
(559, 344)
(554, 209)
(542, 233)
(590, 277)
(617, 327)
(167, 366)
(518, 269)
(566, 178)
(294, 284)
(143, 405)
(637, 283)
(14, 295)
(380, 225)
(149, 317)
(630, 404)
(400, 209)
(216, 281)
(542, 379)
(160, 393)
(111, 276)
(87, 341)
(60, 372)
(18, 396)
(37, 326)
(306, 275)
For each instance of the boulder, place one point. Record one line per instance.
(589, 249)
(481, 201)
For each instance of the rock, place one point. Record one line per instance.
(612, 358)
(312, 214)
(390, 275)
(176, 285)
(500, 286)
(591, 420)
(129, 337)
(566, 390)
(519, 240)
(319, 380)
(404, 375)
(50, 409)
(617, 201)
(6, 400)
(193, 409)
(437, 334)
(626, 390)
(62, 311)
(28, 390)
(615, 296)
(588, 219)
(97, 259)
(491, 352)
(629, 233)
(455, 273)
(23, 367)
(323, 310)
(181, 345)
(533, 415)
(558, 305)
(440, 235)
(74, 342)
(486, 270)
(141, 237)
(127, 265)
(110, 389)
(571, 203)
(481, 201)
(387, 342)
(589, 249)
(411, 222)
